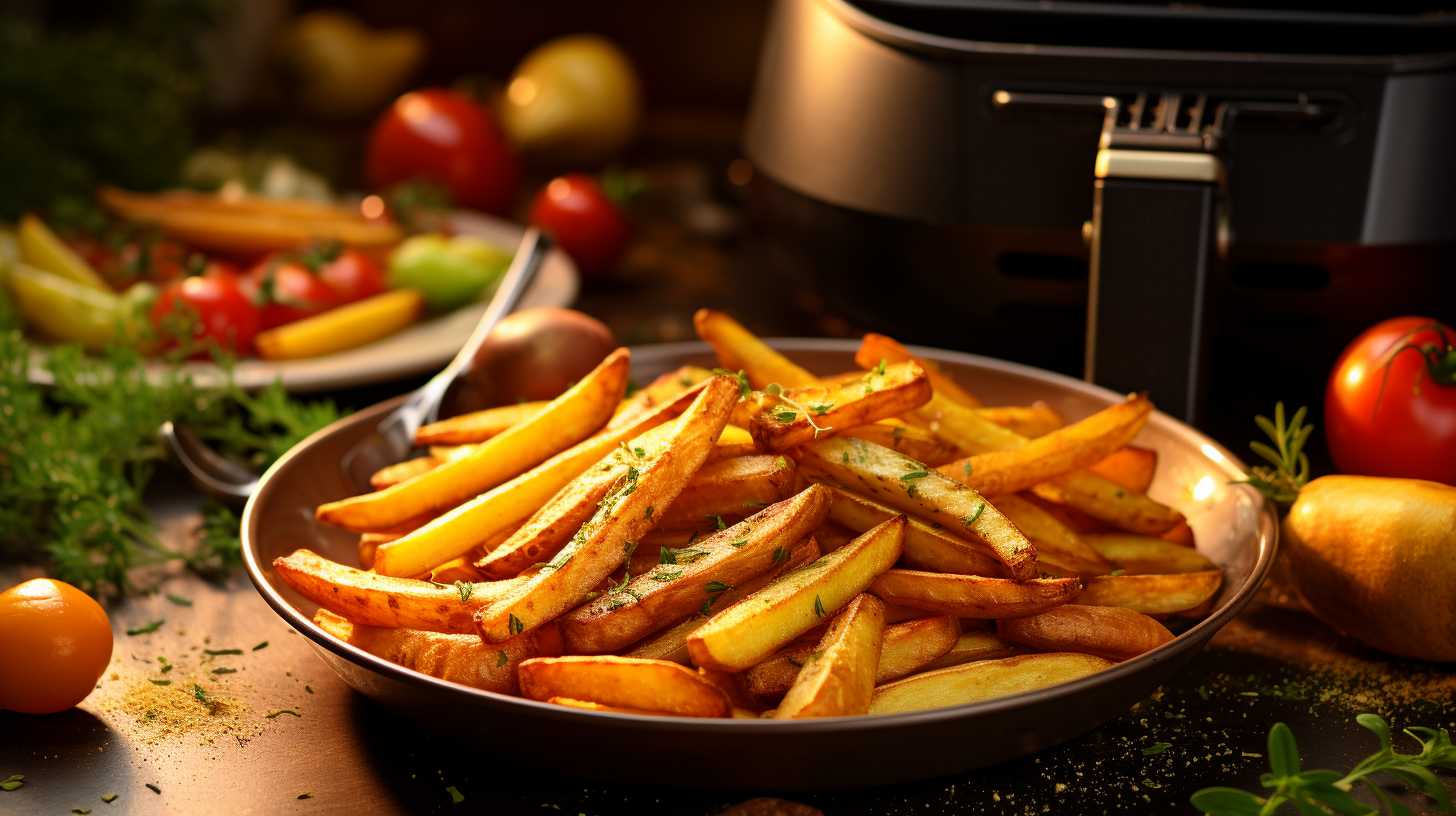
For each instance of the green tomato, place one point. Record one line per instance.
(449, 272)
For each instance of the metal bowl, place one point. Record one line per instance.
(1234, 527)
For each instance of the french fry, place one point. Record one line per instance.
(839, 677)
(734, 441)
(672, 642)
(1076, 446)
(604, 542)
(1152, 594)
(926, 547)
(665, 388)
(480, 520)
(623, 682)
(1110, 503)
(568, 419)
(908, 647)
(477, 426)
(973, 596)
(391, 475)
(1056, 543)
(1031, 421)
(739, 350)
(730, 487)
(379, 600)
(1106, 631)
(587, 705)
(1131, 467)
(916, 443)
(654, 599)
(794, 416)
(456, 569)
(369, 543)
(908, 485)
(750, 630)
(1144, 555)
(458, 658)
(973, 646)
(1181, 534)
(832, 536)
(877, 347)
(983, 680)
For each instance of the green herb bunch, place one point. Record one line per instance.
(76, 459)
(1322, 792)
(1288, 468)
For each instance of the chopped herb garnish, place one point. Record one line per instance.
(688, 556)
(966, 468)
(780, 555)
(783, 463)
(200, 695)
(305, 796)
(154, 789)
(785, 416)
(821, 408)
(665, 555)
(165, 663)
(715, 587)
(640, 452)
(308, 688)
(146, 629)
(880, 369)
(666, 575)
(740, 543)
(260, 646)
(1157, 748)
(844, 457)
(465, 589)
(12, 782)
(179, 600)
(970, 520)
(501, 658)
(456, 797)
(224, 670)
(217, 652)
(648, 512)
(914, 474)
(273, 715)
(162, 682)
(717, 522)
(818, 607)
(773, 389)
(514, 625)
(744, 389)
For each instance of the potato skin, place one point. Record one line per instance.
(1106, 631)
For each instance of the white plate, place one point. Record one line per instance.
(421, 348)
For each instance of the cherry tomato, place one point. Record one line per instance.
(1390, 407)
(217, 305)
(56, 641)
(286, 289)
(446, 138)
(352, 275)
(583, 220)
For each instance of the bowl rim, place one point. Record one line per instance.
(1191, 638)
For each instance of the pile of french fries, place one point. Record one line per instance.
(759, 541)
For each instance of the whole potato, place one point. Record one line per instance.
(534, 354)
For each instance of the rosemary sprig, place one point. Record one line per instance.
(1288, 468)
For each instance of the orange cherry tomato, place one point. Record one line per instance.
(55, 641)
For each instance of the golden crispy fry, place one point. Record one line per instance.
(973, 596)
(908, 485)
(734, 441)
(1079, 445)
(877, 347)
(739, 350)
(983, 680)
(568, 419)
(926, 547)
(672, 642)
(656, 598)
(481, 520)
(457, 569)
(839, 676)
(1057, 545)
(1106, 631)
(458, 658)
(750, 630)
(623, 682)
(1143, 555)
(832, 536)
(732, 488)
(665, 388)
(916, 443)
(798, 415)
(391, 475)
(1109, 502)
(477, 426)
(607, 540)
(379, 600)
(369, 543)
(1131, 467)
(1152, 594)
(587, 705)
(1181, 534)
(973, 646)
(908, 647)
(1031, 421)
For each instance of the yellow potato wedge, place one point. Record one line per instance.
(391, 475)
(458, 658)
(1180, 534)
(983, 680)
(457, 569)
(1144, 555)
(750, 630)
(477, 426)
(479, 521)
(973, 646)
(732, 488)
(916, 443)
(587, 705)
(343, 327)
(668, 592)
(379, 600)
(877, 347)
(1076, 446)
(1112, 632)
(567, 420)
(607, 540)
(1110, 503)
(838, 678)
(1031, 421)
(907, 485)
(973, 596)
(908, 647)
(738, 349)
(794, 416)
(1131, 467)
(1056, 543)
(926, 547)
(623, 682)
(1152, 594)
(733, 442)
(665, 388)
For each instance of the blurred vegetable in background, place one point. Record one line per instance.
(341, 67)
(449, 272)
(574, 100)
(584, 221)
(449, 139)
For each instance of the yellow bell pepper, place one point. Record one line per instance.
(343, 328)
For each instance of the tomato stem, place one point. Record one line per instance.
(1439, 359)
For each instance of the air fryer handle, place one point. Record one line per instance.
(1155, 222)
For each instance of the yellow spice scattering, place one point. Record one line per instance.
(177, 710)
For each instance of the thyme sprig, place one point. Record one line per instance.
(1288, 468)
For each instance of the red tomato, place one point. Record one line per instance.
(159, 262)
(352, 275)
(1390, 408)
(285, 290)
(446, 138)
(583, 220)
(215, 302)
